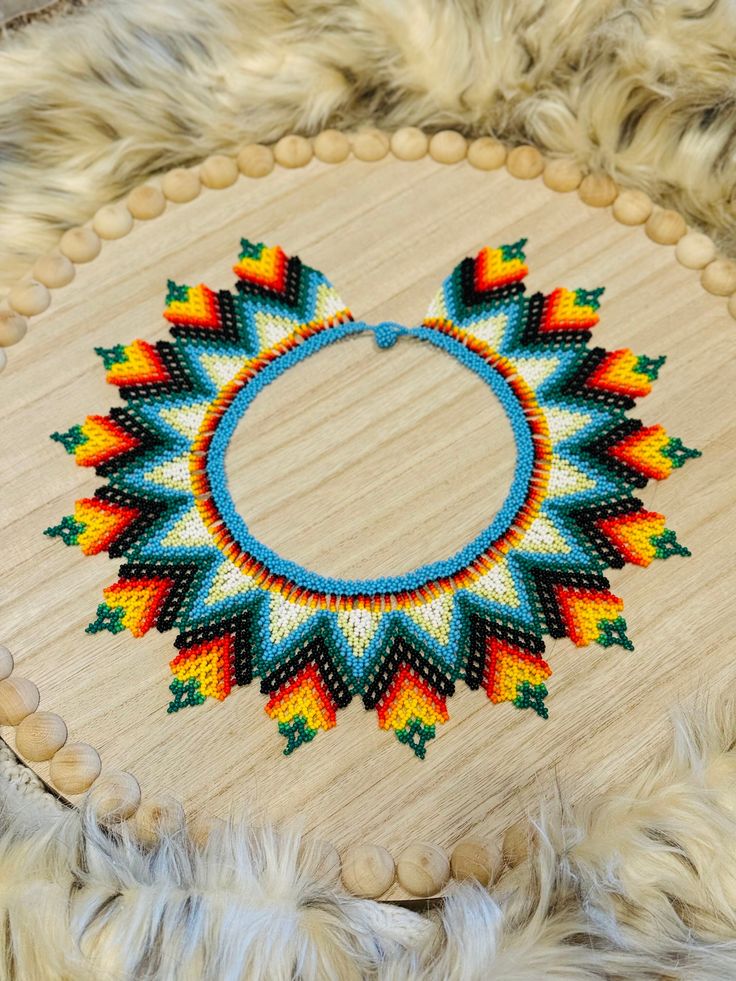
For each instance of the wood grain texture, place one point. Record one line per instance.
(324, 485)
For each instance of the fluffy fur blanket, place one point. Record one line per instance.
(96, 100)
(640, 885)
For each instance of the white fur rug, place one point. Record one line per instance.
(95, 100)
(639, 885)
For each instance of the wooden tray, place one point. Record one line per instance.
(353, 419)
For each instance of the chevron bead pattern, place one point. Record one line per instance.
(399, 643)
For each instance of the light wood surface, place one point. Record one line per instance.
(324, 486)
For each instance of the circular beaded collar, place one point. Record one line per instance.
(399, 642)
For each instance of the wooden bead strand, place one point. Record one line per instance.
(13, 328)
(19, 698)
(54, 270)
(517, 843)
(115, 796)
(448, 147)
(218, 172)
(732, 305)
(80, 245)
(112, 221)
(331, 146)
(486, 153)
(40, 735)
(74, 768)
(6, 663)
(632, 208)
(525, 162)
(409, 143)
(665, 227)
(181, 185)
(293, 151)
(423, 869)
(255, 160)
(146, 202)
(694, 250)
(476, 858)
(719, 277)
(368, 870)
(562, 175)
(158, 817)
(369, 145)
(29, 298)
(598, 190)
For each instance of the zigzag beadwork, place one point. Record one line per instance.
(399, 643)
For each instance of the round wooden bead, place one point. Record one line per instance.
(29, 298)
(146, 202)
(665, 227)
(409, 143)
(423, 869)
(598, 190)
(116, 796)
(13, 328)
(732, 305)
(293, 151)
(516, 843)
(112, 221)
(448, 147)
(74, 768)
(158, 817)
(695, 250)
(525, 162)
(18, 698)
(255, 160)
(367, 870)
(6, 662)
(369, 145)
(475, 858)
(562, 175)
(331, 146)
(40, 735)
(632, 207)
(486, 153)
(80, 244)
(719, 277)
(218, 172)
(181, 185)
(54, 270)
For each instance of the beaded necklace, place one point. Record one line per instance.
(400, 643)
